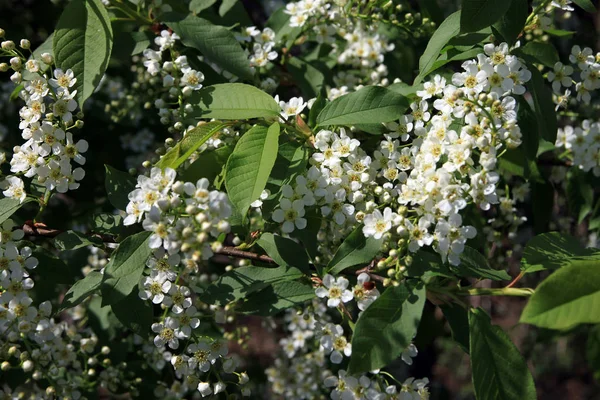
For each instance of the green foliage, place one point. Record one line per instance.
(386, 328)
(446, 31)
(369, 105)
(217, 43)
(473, 264)
(567, 297)
(71, 240)
(499, 371)
(249, 166)
(234, 101)
(83, 42)
(9, 206)
(81, 290)
(284, 251)
(479, 14)
(356, 249)
(277, 297)
(458, 320)
(587, 5)
(134, 313)
(126, 266)
(192, 140)
(543, 106)
(539, 53)
(118, 185)
(510, 26)
(551, 251)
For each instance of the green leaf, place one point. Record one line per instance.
(285, 252)
(512, 23)
(474, 265)
(216, 43)
(192, 140)
(106, 223)
(426, 266)
(125, 268)
(234, 101)
(81, 290)
(568, 297)
(309, 78)
(308, 235)
(196, 6)
(559, 32)
(141, 40)
(539, 53)
(551, 251)
(118, 185)
(580, 194)
(587, 5)
(592, 350)
(316, 108)
(499, 371)
(83, 42)
(369, 105)
(225, 6)
(279, 21)
(458, 320)
(71, 240)
(291, 161)
(543, 106)
(9, 206)
(250, 165)
(208, 165)
(446, 31)
(242, 281)
(529, 129)
(452, 55)
(277, 297)
(134, 313)
(479, 14)
(356, 249)
(386, 328)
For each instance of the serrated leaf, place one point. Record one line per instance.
(118, 185)
(71, 240)
(277, 297)
(197, 6)
(225, 6)
(107, 224)
(474, 265)
(499, 371)
(446, 31)
(125, 268)
(369, 105)
(538, 52)
(208, 165)
(284, 251)
(249, 166)
(551, 251)
(568, 297)
(83, 42)
(458, 320)
(386, 328)
(426, 266)
(10, 206)
(134, 313)
(587, 5)
(309, 78)
(512, 23)
(234, 101)
(356, 249)
(479, 14)
(192, 140)
(242, 281)
(81, 290)
(216, 43)
(543, 106)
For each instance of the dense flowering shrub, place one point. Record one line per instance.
(301, 171)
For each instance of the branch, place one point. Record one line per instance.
(40, 229)
(233, 252)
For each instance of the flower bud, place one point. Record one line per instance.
(16, 63)
(5, 366)
(25, 44)
(8, 45)
(47, 58)
(4, 67)
(37, 375)
(79, 124)
(16, 78)
(27, 365)
(2, 33)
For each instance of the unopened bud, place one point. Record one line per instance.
(79, 124)
(25, 44)
(5, 366)
(47, 58)
(4, 67)
(8, 45)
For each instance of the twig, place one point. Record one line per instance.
(233, 252)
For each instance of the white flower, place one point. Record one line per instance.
(16, 189)
(192, 79)
(166, 333)
(560, 76)
(365, 292)
(335, 289)
(201, 356)
(335, 342)
(291, 214)
(293, 107)
(376, 224)
(155, 287)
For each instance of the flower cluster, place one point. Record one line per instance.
(262, 44)
(50, 153)
(185, 221)
(584, 73)
(583, 145)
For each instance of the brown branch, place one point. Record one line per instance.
(41, 230)
(233, 252)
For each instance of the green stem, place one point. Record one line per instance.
(43, 204)
(505, 291)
